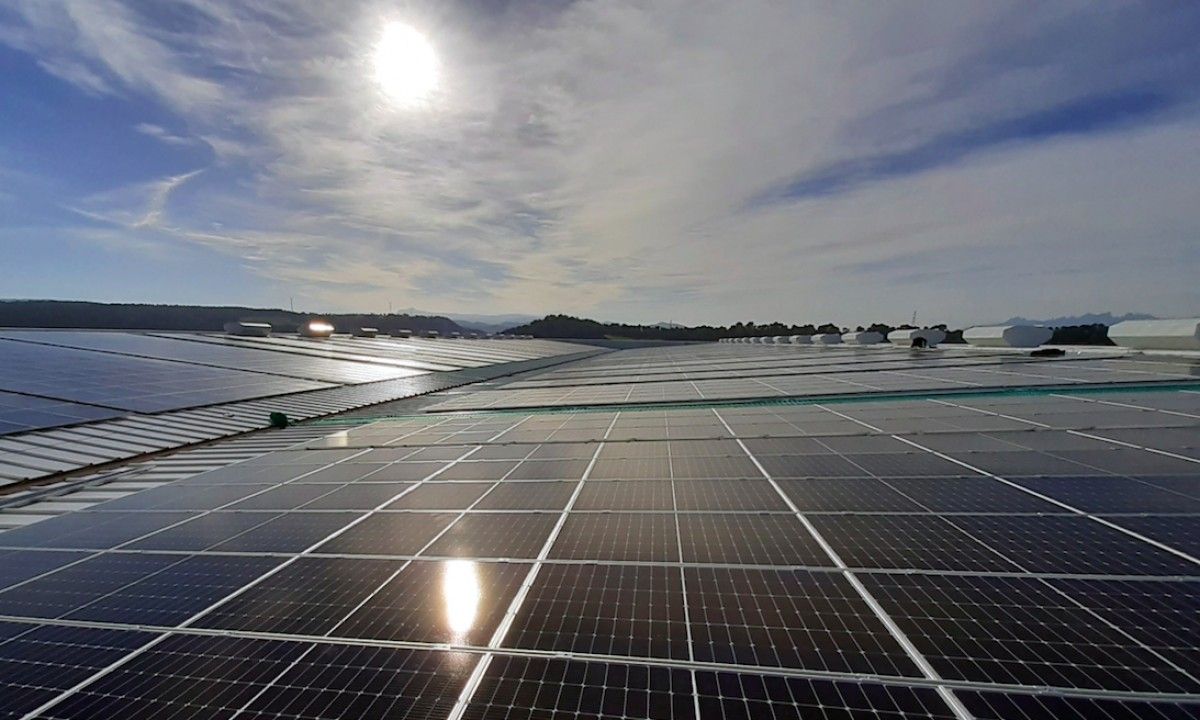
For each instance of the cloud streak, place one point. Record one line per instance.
(642, 161)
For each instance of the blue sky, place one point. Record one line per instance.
(684, 160)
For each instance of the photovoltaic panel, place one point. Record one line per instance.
(39, 662)
(789, 618)
(104, 379)
(527, 688)
(1019, 631)
(627, 610)
(426, 602)
(745, 696)
(28, 412)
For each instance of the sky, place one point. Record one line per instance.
(683, 160)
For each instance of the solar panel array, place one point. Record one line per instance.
(708, 373)
(74, 399)
(1029, 554)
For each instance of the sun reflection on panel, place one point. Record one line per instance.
(460, 586)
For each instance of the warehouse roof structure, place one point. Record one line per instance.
(698, 531)
(78, 399)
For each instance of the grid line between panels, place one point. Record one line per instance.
(687, 616)
(483, 651)
(1026, 573)
(1080, 433)
(984, 473)
(510, 615)
(268, 487)
(927, 670)
(379, 588)
(245, 588)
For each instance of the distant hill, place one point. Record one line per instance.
(137, 316)
(483, 322)
(1086, 319)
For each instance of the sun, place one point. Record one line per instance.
(406, 65)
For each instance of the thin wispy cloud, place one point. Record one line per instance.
(706, 162)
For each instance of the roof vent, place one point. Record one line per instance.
(365, 332)
(1014, 336)
(248, 329)
(801, 339)
(1182, 334)
(866, 337)
(917, 337)
(402, 333)
(432, 334)
(827, 339)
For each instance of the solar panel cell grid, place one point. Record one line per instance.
(309, 596)
(1063, 544)
(514, 535)
(1012, 706)
(175, 593)
(907, 542)
(551, 495)
(749, 540)
(746, 696)
(456, 601)
(617, 537)
(288, 533)
(604, 609)
(388, 534)
(794, 619)
(37, 663)
(1018, 631)
(518, 688)
(74, 586)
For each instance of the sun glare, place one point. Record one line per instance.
(406, 65)
(461, 591)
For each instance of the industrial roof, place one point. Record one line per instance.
(74, 399)
(712, 531)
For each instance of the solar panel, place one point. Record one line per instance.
(956, 554)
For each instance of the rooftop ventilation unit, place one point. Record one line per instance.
(780, 340)
(866, 337)
(474, 336)
(432, 334)
(402, 333)
(365, 332)
(1014, 336)
(1181, 334)
(801, 339)
(315, 329)
(827, 339)
(917, 337)
(455, 335)
(248, 329)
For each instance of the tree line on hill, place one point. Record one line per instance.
(566, 326)
(141, 316)
(138, 316)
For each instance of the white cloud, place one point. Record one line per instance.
(598, 158)
(160, 133)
